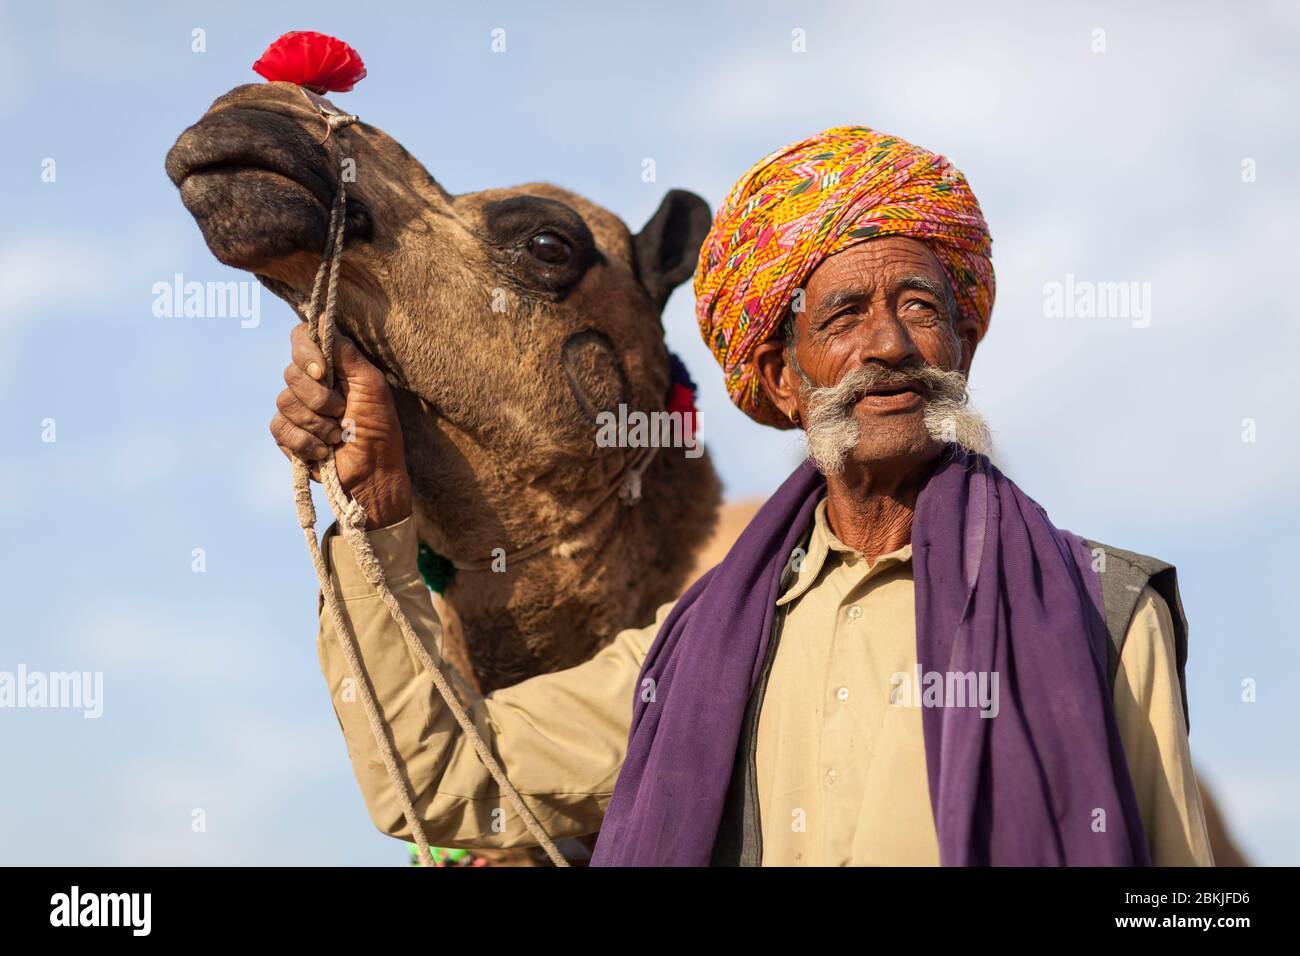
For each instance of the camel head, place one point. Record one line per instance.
(460, 298)
(506, 319)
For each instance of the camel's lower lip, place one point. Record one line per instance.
(252, 216)
(260, 172)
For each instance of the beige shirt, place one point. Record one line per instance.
(562, 737)
(841, 756)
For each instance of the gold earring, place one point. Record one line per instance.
(793, 415)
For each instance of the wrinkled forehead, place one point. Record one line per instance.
(874, 261)
(545, 203)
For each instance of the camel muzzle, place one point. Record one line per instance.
(268, 163)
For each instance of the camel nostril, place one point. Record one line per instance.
(360, 224)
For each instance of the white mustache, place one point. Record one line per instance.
(832, 431)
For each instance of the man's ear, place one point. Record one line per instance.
(667, 247)
(776, 377)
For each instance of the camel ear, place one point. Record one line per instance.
(667, 247)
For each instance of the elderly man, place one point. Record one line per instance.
(901, 661)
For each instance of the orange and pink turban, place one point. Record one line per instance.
(810, 200)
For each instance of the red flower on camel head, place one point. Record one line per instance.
(320, 63)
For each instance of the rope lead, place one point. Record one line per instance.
(351, 518)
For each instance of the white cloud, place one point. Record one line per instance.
(241, 774)
(129, 639)
(44, 272)
(1258, 805)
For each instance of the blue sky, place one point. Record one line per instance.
(1119, 165)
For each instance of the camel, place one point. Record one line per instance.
(506, 320)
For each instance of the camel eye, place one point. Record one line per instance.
(550, 248)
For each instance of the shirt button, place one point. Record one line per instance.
(855, 612)
(831, 777)
(842, 693)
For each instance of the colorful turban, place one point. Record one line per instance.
(808, 201)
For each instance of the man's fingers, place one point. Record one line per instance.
(291, 407)
(350, 365)
(296, 440)
(323, 401)
(306, 353)
(353, 366)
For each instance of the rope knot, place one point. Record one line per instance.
(302, 495)
(353, 516)
(629, 490)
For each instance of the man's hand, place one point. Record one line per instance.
(356, 418)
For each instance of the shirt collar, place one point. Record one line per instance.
(825, 549)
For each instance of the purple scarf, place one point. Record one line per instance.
(998, 589)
